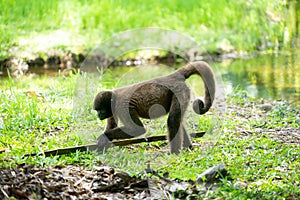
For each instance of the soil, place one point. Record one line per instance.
(75, 182)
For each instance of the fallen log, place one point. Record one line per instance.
(93, 147)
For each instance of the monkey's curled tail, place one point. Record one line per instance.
(205, 72)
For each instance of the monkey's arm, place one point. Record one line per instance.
(133, 127)
(124, 133)
(105, 139)
(111, 124)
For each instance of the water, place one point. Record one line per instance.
(268, 76)
(274, 76)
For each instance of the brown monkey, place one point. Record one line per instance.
(152, 99)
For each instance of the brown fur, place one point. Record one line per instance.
(152, 99)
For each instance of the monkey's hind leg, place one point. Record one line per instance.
(175, 127)
(187, 142)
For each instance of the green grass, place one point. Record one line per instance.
(34, 111)
(36, 114)
(35, 26)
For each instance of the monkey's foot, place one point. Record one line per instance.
(104, 143)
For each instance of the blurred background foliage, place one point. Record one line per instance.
(246, 25)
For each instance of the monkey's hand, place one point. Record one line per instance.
(103, 143)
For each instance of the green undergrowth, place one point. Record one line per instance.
(37, 114)
(36, 26)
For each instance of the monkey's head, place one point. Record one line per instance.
(102, 104)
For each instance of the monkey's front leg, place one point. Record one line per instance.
(103, 141)
(111, 123)
(124, 132)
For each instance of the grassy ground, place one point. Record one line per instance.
(35, 27)
(261, 150)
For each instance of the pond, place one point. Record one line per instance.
(274, 76)
(270, 76)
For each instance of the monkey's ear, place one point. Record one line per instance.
(103, 99)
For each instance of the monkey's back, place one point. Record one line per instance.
(152, 99)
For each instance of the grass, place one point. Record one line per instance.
(33, 111)
(37, 114)
(35, 27)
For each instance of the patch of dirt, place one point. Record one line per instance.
(258, 112)
(70, 182)
(101, 183)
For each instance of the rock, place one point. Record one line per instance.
(36, 62)
(213, 174)
(53, 60)
(18, 67)
(265, 107)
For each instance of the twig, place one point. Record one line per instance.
(4, 193)
(93, 147)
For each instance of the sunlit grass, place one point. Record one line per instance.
(83, 24)
(35, 112)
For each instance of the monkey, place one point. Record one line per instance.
(152, 99)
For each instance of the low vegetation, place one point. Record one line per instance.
(259, 148)
(257, 140)
(34, 27)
